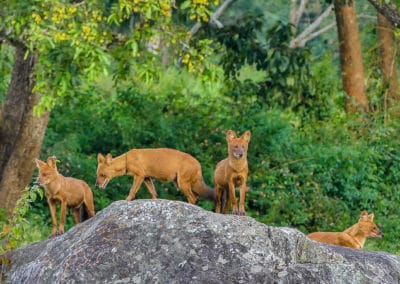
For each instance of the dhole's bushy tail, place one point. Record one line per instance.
(83, 213)
(203, 190)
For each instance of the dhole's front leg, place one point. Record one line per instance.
(137, 182)
(52, 207)
(243, 190)
(345, 240)
(232, 198)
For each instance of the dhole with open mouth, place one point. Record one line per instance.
(353, 237)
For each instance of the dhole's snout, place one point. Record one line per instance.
(38, 181)
(238, 153)
(101, 184)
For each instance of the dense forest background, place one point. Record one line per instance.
(314, 163)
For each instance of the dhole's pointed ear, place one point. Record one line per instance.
(364, 216)
(51, 161)
(246, 135)
(230, 135)
(100, 158)
(39, 163)
(371, 217)
(108, 159)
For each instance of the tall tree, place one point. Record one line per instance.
(61, 48)
(21, 132)
(388, 49)
(350, 56)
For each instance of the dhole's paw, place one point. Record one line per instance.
(55, 234)
(242, 212)
(239, 213)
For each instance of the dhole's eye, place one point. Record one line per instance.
(44, 175)
(103, 175)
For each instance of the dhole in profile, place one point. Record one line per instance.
(155, 163)
(354, 236)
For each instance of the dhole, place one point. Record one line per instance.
(161, 164)
(70, 192)
(353, 237)
(231, 173)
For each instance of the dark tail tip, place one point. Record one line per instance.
(210, 193)
(83, 214)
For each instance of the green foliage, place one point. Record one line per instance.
(317, 175)
(17, 230)
(288, 81)
(6, 61)
(311, 166)
(76, 42)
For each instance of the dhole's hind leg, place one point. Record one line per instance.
(218, 199)
(243, 190)
(52, 207)
(150, 187)
(63, 216)
(186, 188)
(75, 215)
(226, 202)
(89, 204)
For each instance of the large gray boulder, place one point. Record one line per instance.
(160, 241)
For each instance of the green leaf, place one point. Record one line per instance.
(186, 4)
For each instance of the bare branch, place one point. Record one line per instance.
(311, 28)
(213, 18)
(297, 13)
(302, 42)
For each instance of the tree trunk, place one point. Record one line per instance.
(350, 57)
(21, 132)
(388, 50)
(388, 9)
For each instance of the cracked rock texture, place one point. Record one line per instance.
(161, 241)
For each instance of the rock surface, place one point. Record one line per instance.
(160, 241)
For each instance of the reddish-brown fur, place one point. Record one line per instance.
(232, 172)
(70, 192)
(353, 237)
(161, 164)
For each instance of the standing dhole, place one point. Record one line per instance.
(70, 192)
(231, 173)
(353, 237)
(161, 164)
